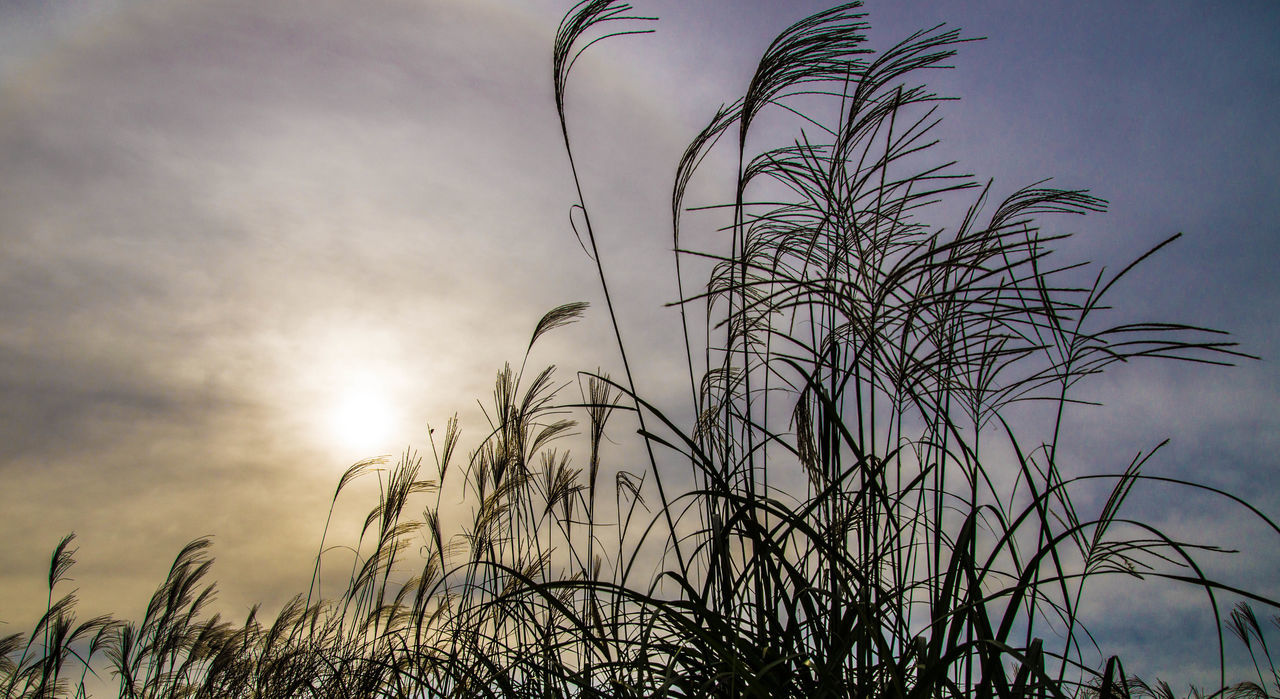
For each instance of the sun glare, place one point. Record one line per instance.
(362, 418)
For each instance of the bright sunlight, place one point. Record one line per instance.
(361, 419)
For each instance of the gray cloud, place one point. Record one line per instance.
(211, 215)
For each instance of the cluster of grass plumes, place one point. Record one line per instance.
(859, 507)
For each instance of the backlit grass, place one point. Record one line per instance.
(862, 505)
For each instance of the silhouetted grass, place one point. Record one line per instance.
(871, 512)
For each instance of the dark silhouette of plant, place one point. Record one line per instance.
(871, 513)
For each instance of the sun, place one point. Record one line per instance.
(362, 417)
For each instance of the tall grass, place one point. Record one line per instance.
(873, 510)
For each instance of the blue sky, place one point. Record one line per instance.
(220, 221)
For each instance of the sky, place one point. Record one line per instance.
(226, 228)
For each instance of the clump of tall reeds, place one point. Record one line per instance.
(871, 513)
(852, 348)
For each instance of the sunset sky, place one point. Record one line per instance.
(231, 230)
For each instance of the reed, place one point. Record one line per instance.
(873, 510)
